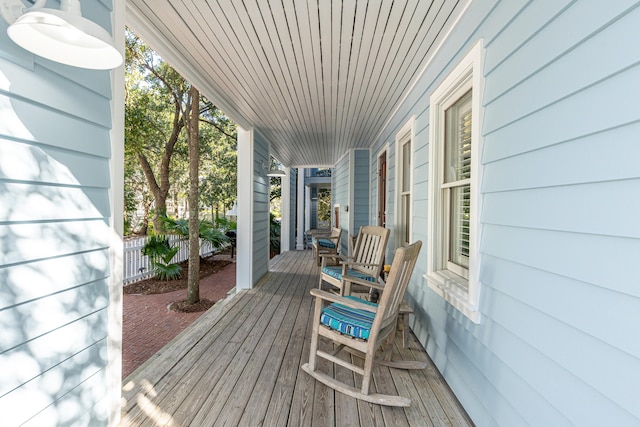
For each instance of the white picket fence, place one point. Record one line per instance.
(138, 267)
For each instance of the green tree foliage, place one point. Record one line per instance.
(324, 205)
(155, 106)
(206, 230)
(156, 162)
(274, 235)
(218, 153)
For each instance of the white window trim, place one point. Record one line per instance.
(466, 75)
(408, 129)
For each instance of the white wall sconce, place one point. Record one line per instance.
(62, 36)
(274, 172)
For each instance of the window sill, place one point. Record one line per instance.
(454, 290)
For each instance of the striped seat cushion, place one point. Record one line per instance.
(349, 321)
(336, 273)
(326, 243)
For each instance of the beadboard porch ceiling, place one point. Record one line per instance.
(314, 77)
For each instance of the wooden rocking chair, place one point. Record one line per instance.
(326, 244)
(364, 264)
(363, 328)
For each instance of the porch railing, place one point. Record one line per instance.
(138, 267)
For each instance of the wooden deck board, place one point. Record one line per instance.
(239, 364)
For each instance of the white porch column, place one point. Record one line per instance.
(113, 394)
(307, 207)
(300, 214)
(244, 249)
(285, 208)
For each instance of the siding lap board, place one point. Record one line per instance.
(54, 238)
(560, 236)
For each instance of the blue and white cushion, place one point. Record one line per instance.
(349, 321)
(336, 273)
(326, 243)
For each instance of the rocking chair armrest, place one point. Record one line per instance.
(363, 282)
(328, 255)
(351, 303)
(358, 264)
(329, 259)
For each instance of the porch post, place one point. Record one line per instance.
(307, 207)
(300, 209)
(244, 249)
(285, 215)
(113, 394)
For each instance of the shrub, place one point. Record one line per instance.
(160, 253)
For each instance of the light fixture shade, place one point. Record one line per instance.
(276, 172)
(66, 38)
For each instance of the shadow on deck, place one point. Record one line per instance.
(239, 365)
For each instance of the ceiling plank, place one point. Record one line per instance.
(316, 78)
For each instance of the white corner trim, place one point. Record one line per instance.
(352, 189)
(300, 209)
(285, 210)
(244, 250)
(116, 223)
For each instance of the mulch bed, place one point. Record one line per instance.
(151, 286)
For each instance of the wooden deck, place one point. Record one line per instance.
(239, 365)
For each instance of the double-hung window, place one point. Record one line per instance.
(404, 155)
(454, 202)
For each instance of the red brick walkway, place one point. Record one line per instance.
(147, 325)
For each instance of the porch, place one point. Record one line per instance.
(239, 365)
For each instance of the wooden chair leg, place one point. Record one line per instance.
(314, 335)
(366, 377)
(403, 315)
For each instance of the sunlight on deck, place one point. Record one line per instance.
(239, 364)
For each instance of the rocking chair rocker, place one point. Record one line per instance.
(363, 328)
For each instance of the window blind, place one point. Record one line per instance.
(458, 179)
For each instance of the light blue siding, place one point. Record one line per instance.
(350, 187)
(260, 208)
(292, 207)
(560, 236)
(340, 181)
(360, 177)
(54, 237)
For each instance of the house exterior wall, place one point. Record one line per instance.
(350, 190)
(292, 207)
(260, 208)
(360, 192)
(314, 208)
(55, 237)
(560, 235)
(340, 181)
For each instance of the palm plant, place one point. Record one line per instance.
(160, 253)
(206, 230)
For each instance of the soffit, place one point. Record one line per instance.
(315, 78)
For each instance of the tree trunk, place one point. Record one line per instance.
(193, 279)
(160, 190)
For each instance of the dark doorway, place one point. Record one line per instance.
(382, 189)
